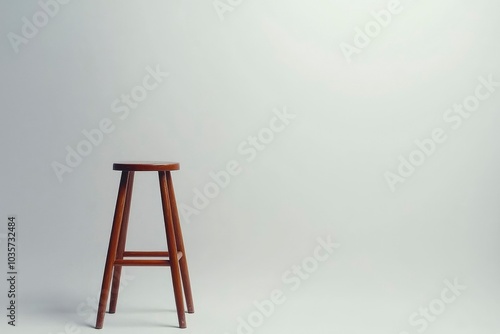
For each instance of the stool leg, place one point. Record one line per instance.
(117, 272)
(172, 249)
(112, 249)
(186, 282)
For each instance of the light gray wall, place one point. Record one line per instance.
(353, 113)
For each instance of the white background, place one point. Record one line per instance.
(323, 175)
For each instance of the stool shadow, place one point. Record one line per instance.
(130, 310)
(128, 322)
(135, 323)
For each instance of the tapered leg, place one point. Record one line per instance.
(112, 249)
(186, 282)
(117, 272)
(172, 249)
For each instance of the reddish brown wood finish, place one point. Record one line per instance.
(150, 166)
(112, 249)
(172, 249)
(117, 272)
(118, 257)
(180, 246)
(145, 254)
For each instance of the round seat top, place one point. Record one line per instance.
(150, 166)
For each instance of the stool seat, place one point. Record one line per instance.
(146, 166)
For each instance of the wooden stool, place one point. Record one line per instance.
(117, 256)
